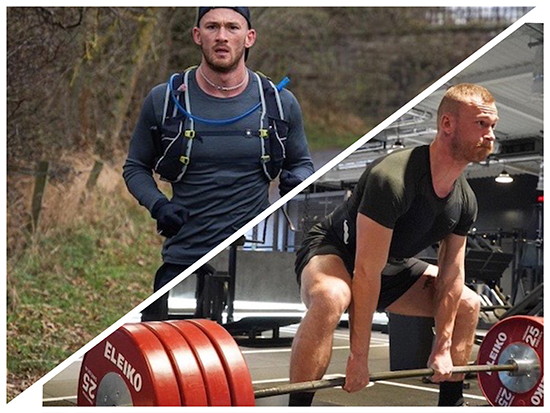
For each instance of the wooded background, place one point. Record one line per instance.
(77, 76)
(76, 79)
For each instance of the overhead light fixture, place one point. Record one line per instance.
(504, 178)
(398, 144)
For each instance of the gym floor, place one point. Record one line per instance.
(271, 364)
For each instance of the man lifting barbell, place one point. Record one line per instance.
(360, 257)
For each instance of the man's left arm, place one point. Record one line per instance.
(448, 289)
(298, 164)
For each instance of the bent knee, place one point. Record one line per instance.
(329, 299)
(326, 285)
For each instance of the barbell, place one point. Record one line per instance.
(197, 362)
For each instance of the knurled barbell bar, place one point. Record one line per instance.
(198, 363)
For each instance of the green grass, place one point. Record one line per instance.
(74, 282)
(321, 137)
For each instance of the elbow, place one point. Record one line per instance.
(131, 169)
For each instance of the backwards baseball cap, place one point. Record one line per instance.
(243, 11)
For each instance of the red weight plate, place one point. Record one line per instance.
(236, 369)
(186, 367)
(217, 388)
(130, 367)
(513, 332)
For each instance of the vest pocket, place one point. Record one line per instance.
(172, 161)
(275, 147)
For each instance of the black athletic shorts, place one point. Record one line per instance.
(397, 276)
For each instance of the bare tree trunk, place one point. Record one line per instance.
(144, 38)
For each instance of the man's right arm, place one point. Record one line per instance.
(138, 168)
(373, 245)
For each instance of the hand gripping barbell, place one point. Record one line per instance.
(198, 363)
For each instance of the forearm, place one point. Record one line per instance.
(298, 161)
(365, 292)
(303, 171)
(373, 243)
(141, 184)
(448, 289)
(142, 152)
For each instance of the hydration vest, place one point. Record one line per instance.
(174, 139)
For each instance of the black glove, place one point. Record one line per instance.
(170, 217)
(288, 181)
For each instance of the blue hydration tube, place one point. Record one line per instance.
(228, 121)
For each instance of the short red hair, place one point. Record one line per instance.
(462, 94)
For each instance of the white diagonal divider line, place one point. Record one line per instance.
(280, 202)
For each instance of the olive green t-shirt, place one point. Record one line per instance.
(397, 192)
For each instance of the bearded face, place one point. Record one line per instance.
(473, 138)
(223, 58)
